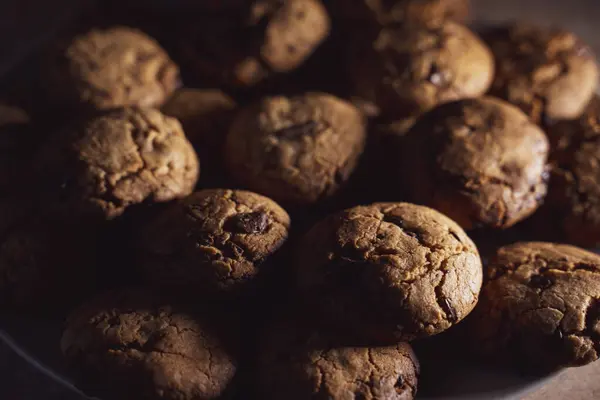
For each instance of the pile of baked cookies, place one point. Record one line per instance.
(283, 226)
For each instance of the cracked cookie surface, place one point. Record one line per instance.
(116, 160)
(550, 74)
(269, 37)
(134, 345)
(410, 68)
(540, 306)
(296, 149)
(216, 239)
(573, 200)
(297, 364)
(480, 161)
(114, 67)
(389, 271)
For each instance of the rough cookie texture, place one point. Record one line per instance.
(296, 150)
(389, 271)
(270, 37)
(107, 68)
(205, 115)
(480, 161)
(116, 160)
(540, 306)
(410, 68)
(130, 345)
(385, 12)
(573, 201)
(216, 239)
(16, 145)
(550, 74)
(297, 364)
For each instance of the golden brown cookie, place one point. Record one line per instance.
(132, 344)
(410, 68)
(571, 211)
(116, 160)
(214, 239)
(480, 161)
(270, 37)
(539, 306)
(107, 68)
(296, 363)
(549, 73)
(298, 149)
(389, 271)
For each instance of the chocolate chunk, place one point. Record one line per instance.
(449, 310)
(298, 130)
(396, 220)
(438, 77)
(399, 385)
(254, 222)
(540, 282)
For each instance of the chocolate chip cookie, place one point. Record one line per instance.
(480, 161)
(107, 68)
(215, 239)
(296, 149)
(297, 364)
(410, 68)
(270, 37)
(539, 306)
(385, 12)
(389, 271)
(571, 211)
(549, 73)
(205, 115)
(116, 160)
(126, 345)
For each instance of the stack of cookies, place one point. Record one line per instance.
(273, 199)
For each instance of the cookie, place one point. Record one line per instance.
(271, 37)
(297, 364)
(297, 150)
(549, 73)
(214, 239)
(116, 160)
(571, 211)
(17, 146)
(480, 161)
(108, 68)
(410, 68)
(539, 306)
(389, 271)
(126, 345)
(385, 12)
(205, 115)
